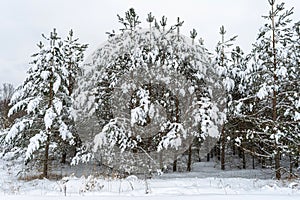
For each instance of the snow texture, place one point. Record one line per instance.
(49, 117)
(34, 144)
(205, 182)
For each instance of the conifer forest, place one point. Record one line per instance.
(153, 103)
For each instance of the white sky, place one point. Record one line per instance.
(22, 23)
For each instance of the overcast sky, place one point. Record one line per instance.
(22, 23)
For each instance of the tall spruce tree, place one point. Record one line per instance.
(45, 96)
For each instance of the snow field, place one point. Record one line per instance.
(210, 184)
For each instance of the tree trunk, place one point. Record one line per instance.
(189, 162)
(175, 163)
(263, 162)
(274, 98)
(46, 158)
(222, 153)
(277, 165)
(242, 155)
(233, 148)
(46, 153)
(63, 157)
(208, 157)
(244, 159)
(217, 150)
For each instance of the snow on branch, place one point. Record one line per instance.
(34, 144)
(17, 128)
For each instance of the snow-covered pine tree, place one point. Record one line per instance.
(290, 98)
(228, 63)
(272, 95)
(73, 56)
(44, 95)
(73, 53)
(151, 90)
(235, 123)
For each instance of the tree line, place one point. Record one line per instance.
(61, 105)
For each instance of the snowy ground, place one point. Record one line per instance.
(205, 182)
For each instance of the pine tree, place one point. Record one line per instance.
(271, 94)
(227, 63)
(45, 97)
(290, 98)
(149, 98)
(73, 56)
